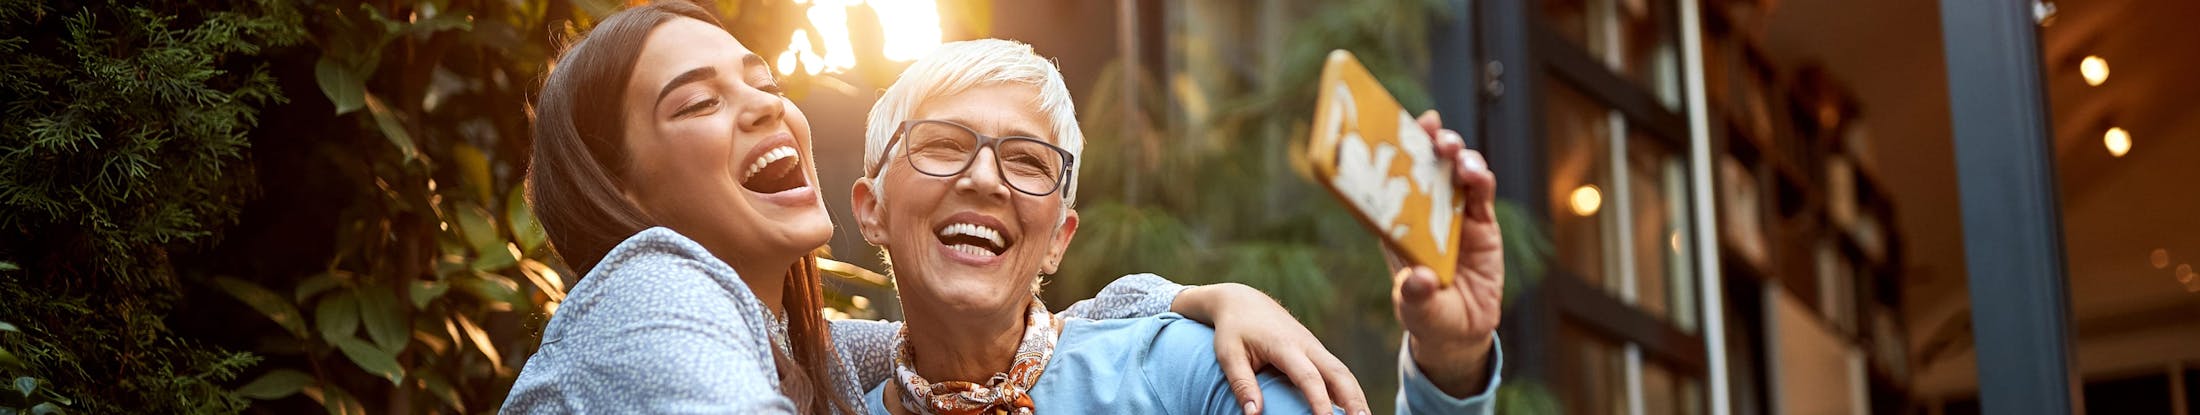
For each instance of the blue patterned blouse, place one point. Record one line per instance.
(662, 326)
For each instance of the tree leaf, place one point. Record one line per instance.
(344, 87)
(9, 266)
(493, 260)
(440, 22)
(544, 279)
(481, 341)
(6, 326)
(275, 385)
(436, 385)
(26, 385)
(520, 218)
(481, 235)
(370, 359)
(266, 302)
(424, 291)
(46, 408)
(318, 283)
(8, 359)
(336, 401)
(337, 316)
(430, 338)
(387, 322)
(392, 128)
(473, 165)
(490, 287)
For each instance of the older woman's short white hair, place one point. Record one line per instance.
(955, 67)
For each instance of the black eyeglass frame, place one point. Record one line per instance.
(1069, 161)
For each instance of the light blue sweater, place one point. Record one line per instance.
(1165, 364)
(662, 326)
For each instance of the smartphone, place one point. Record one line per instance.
(1370, 153)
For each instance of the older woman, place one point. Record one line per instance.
(669, 168)
(971, 161)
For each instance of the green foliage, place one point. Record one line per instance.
(124, 131)
(1211, 192)
(33, 395)
(1527, 398)
(1212, 195)
(439, 272)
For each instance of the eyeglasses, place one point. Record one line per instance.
(942, 148)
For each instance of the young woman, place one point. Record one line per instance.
(669, 167)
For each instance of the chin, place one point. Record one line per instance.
(804, 231)
(813, 230)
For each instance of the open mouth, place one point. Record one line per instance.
(974, 239)
(776, 170)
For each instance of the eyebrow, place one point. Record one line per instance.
(748, 60)
(689, 77)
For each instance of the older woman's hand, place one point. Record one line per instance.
(1451, 328)
(1252, 331)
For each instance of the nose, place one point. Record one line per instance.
(983, 177)
(759, 110)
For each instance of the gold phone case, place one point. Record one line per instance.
(1370, 153)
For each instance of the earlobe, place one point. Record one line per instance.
(867, 208)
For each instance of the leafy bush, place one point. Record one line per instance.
(124, 131)
(435, 273)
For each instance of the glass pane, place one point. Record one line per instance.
(1668, 393)
(1658, 187)
(1579, 130)
(1596, 373)
(1635, 38)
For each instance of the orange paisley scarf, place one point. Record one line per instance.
(1005, 393)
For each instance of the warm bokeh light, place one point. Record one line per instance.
(909, 28)
(800, 54)
(2118, 141)
(912, 27)
(1587, 199)
(2094, 69)
(830, 17)
(2160, 258)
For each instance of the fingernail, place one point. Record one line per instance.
(1252, 407)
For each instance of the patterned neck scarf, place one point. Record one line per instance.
(1005, 393)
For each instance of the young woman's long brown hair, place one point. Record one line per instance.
(580, 158)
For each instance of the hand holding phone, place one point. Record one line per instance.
(1371, 153)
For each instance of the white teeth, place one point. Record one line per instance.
(989, 234)
(971, 250)
(770, 156)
